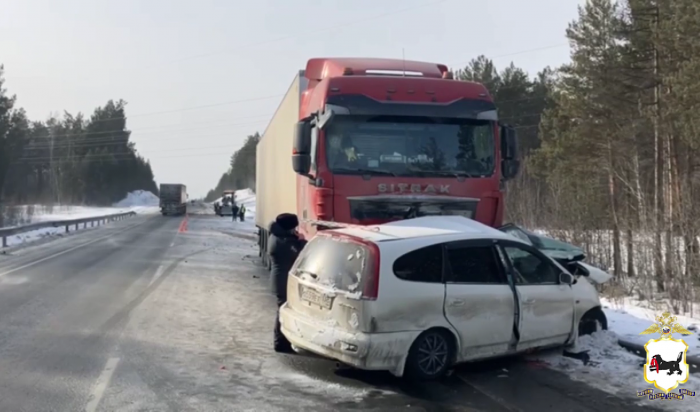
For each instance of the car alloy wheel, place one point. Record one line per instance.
(433, 354)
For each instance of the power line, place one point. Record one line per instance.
(208, 125)
(129, 153)
(96, 142)
(281, 95)
(138, 131)
(333, 28)
(109, 141)
(101, 157)
(553, 46)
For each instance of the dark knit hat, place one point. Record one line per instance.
(287, 221)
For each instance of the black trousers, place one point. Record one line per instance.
(279, 337)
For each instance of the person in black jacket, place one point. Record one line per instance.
(284, 246)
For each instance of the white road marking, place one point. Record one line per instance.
(156, 275)
(63, 252)
(102, 383)
(172, 244)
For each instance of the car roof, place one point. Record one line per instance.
(447, 226)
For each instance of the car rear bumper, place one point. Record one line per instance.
(369, 351)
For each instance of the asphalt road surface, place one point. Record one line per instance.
(149, 314)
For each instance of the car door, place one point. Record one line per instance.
(546, 306)
(479, 303)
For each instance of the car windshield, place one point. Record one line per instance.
(541, 242)
(546, 243)
(410, 146)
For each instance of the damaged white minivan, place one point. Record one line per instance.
(417, 296)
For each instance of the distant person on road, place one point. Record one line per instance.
(234, 212)
(241, 213)
(284, 245)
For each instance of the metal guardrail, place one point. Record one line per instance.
(15, 230)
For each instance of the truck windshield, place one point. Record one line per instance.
(410, 146)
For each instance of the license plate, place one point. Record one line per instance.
(314, 297)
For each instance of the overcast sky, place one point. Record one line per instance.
(219, 67)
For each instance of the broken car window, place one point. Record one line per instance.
(531, 269)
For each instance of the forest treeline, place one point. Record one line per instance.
(71, 159)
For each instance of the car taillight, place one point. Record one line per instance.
(371, 286)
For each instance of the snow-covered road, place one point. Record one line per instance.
(141, 315)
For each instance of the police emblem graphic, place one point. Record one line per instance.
(666, 366)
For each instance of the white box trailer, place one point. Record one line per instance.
(276, 182)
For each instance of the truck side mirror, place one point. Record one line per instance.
(510, 165)
(301, 148)
(509, 143)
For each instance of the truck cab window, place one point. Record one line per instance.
(411, 146)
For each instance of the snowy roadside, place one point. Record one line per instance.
(629, 318)
(140, 202)
(615, 370)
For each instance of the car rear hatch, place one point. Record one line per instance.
(332, 279)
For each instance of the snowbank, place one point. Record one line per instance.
(615, 371)
(139, 201)
(138, 198)
(35, 235)
(628, 318)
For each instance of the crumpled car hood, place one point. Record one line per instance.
(596, 275)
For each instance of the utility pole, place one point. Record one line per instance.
(54, 178)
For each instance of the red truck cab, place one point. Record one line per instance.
(381, 140)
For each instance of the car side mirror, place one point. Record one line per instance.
(301, 148)
(566, 278)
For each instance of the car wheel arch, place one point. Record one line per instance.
(594, 313)
(453, 340)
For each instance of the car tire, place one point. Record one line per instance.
(592, 321)
(430, 356)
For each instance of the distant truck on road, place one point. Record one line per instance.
(173, 199)
(228, 201)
